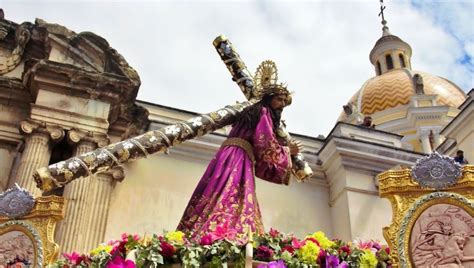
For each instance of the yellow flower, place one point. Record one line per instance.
(309, 252)
(324, 242)
(176, 237)
(368, 259)
(99, 249)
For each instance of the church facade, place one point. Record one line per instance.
(64, 93)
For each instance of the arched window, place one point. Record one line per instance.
(379, 68)
(402, 60)
(389, 61)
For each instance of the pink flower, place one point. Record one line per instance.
(74, 258)
(343, 265)
(273, 233)
(273, 264)
(206, 240)
(365, 244)
(119, 262)
(224, 232)
(167, 250)
(125, 237)
(296, 243)
(264, 253)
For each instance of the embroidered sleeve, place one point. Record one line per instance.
(272, 159)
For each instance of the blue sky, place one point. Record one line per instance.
(455, 18)
(321, 47)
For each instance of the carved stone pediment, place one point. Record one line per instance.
(86, 51)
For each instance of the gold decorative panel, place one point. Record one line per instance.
(418, 212)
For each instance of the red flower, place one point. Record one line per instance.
(274, 233)
(313, 240)
(206, 240)
(264, 253)
(345, 249)
(290, 249)
(167, 250)
(387, 249)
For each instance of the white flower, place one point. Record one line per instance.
(222, 113)
(127, 145)
(152, 139)
(196, 121)
(172, 130)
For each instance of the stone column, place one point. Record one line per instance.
(93, 229)
(425, 143)
(75, 193)
(37, 151)
(7, 155)
(437, 139)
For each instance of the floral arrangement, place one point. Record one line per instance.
(316, 250)
(272, 249)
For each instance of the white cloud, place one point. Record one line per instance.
(321, 48)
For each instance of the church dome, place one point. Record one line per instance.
(396, 87)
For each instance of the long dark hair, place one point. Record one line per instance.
(251, 115)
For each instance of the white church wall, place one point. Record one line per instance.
(156, 191)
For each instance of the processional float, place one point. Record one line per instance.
(102, 159)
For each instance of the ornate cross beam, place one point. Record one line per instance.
(102, 159)
(244, 79)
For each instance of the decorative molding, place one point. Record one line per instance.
(55, 133)
(436, 171)
(75, 136)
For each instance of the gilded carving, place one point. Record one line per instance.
(39, 225)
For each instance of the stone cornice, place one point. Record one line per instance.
(13, 93)
(362, 155)
(72, 80)
(465, 118)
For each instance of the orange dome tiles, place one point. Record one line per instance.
(396, 88)
(386, 91)
(448, 93)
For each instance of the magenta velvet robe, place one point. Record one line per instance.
(225, 195)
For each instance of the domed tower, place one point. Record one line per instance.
(400, 100)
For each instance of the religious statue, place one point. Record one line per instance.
(419, 86)
(225, 195)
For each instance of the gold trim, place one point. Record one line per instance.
(48, 210)
(248, 148)
(25, 231)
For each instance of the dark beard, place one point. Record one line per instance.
(250, 116)
(276, 117)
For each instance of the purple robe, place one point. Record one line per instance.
(225, 195)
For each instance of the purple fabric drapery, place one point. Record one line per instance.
(225, 195)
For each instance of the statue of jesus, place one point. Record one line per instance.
(225, 195)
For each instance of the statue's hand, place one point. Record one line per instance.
(295, 146)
